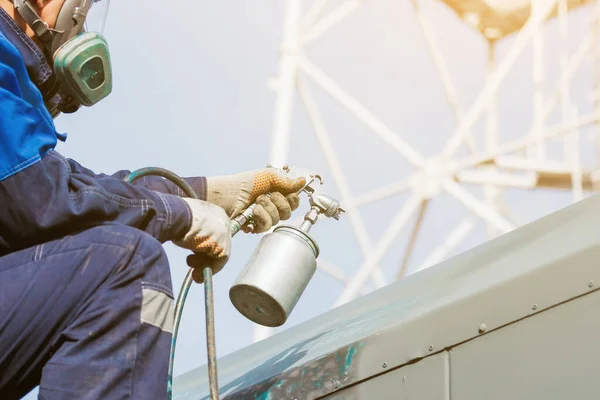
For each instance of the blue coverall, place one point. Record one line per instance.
(85, 286)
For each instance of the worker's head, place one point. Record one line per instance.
(79, 57)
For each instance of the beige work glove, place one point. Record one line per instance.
(209, 237)
(234, 193)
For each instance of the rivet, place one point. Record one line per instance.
(591, 284)
(482, 328)
(534, 307)
(384, 365)
(430, 347)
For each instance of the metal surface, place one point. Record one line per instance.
(427, 379)
(551, 356)
(558, 63)
(273, 280)
(544, 263)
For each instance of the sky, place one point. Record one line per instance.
(190, 94)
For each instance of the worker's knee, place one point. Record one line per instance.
(140, 274)
(147, 254)
(127, 253)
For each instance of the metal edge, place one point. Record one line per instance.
(552, 267)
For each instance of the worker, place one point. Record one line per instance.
(86, 298)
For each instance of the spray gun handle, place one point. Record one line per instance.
(244, 220)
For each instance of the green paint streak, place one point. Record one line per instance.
(267, 395)
(347, 365)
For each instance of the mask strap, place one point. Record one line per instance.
(35, 22)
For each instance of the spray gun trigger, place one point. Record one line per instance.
(309, 182)
(315, 177)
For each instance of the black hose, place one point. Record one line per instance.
(185, 287)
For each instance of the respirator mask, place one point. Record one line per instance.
(80, 57)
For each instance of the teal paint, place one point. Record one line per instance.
(265, 396)
(346, 366)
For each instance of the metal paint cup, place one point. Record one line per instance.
(271, 283)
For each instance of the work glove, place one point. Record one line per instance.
(234, 193)
(209, 237)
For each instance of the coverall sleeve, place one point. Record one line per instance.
(57, 197)
(51, 196)
(161, 185)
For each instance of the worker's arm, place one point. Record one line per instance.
(46, 196)
(53, 198)
(159, 184)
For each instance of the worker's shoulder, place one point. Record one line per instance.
(26, 127)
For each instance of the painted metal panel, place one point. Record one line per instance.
(516, 275)
(554, 355)
(427, 379)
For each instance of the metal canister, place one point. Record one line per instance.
(270, 285)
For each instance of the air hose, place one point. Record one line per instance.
(187, 283)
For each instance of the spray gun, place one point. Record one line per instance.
(279, 270)
(272, 282)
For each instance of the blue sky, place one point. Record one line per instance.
(190, 95)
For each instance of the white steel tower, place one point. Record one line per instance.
(484, 158)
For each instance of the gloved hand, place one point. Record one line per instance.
(209, 238)
(234, 193)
